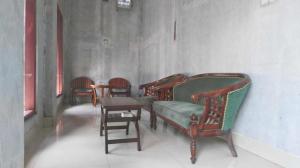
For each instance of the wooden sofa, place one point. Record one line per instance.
(161, 89)
(205, 105)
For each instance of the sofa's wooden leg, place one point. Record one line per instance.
(193, 150)
(228, 138)
(193, 132)
(151, 117)
(154, 119)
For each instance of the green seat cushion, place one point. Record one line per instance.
(177, 111)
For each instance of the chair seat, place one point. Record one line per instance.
(83, 92)
(177, 111)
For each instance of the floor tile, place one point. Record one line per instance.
(75, 143)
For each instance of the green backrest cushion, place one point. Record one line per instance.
(234, 101)
(185, 91)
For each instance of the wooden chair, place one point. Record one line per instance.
(119, 87)
(81, 87)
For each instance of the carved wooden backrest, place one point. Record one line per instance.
(119, 86)
(82, 83)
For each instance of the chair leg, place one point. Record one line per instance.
(72, 99)
(193, 150)
(76, 100)
(93, 100)
(228, 138)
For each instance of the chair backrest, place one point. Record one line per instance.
(119, 87)
(81, 82)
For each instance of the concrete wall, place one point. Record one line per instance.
(11, 82)
(233, 36)
(47, 104)
(102, 42)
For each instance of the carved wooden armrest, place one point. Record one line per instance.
(163, 92)
(214, 103)
(146, 85)
(148, 88)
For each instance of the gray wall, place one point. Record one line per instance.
(233, 36)
(47, 104)
(11, 82)
(89, 23)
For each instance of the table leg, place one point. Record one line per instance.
(127, 129)
(138, 132)
(106, 134)
(139, 114)
(101, 122)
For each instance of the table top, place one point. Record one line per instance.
(125, 102)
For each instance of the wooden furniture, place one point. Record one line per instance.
(205, 105)
(109, 104)
(119, 87)
(115, 86)
(101, 87)
(161, 89)
(81, 87)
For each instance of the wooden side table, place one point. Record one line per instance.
(109, 104)
(102, 88)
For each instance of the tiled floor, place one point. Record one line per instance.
(75, 143)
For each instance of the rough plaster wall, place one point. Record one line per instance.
(67, 73)
(11, 82)
(90, 23)
(233, 36)
(47, 104)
